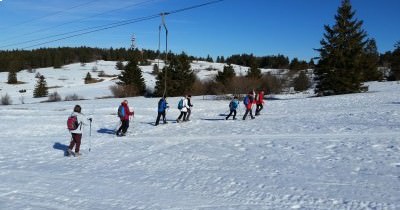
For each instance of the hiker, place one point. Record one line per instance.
(190, 105)
(183, 107)
(124, 113)
(75, 126)
(233, 105)
(162, 106)
(248, 102)
(259, 102)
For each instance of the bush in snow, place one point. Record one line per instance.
(73, 97)
(6, 100)
(53, 97)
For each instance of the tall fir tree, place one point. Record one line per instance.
(339, 70)
(177, 78)
(132, 76)
(41, 89)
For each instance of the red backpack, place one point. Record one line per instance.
(72, 123)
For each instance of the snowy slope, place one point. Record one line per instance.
(69, 79)
(338, 152)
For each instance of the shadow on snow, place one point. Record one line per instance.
(62, 147)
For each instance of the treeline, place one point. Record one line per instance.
(16, 60)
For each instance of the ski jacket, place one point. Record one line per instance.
(190, 105)
(234, 104)
(250, 102)
(260, 98)
(162, 105)
(185, 105)
(80, 118)
(127, 112)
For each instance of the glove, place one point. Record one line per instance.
(90, 119)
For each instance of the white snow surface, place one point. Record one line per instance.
(337, 152)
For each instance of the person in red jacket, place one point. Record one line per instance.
(124, 113)
(259, 102)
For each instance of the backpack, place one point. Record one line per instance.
(246, 100)
(233, 104)
(121, 111)
(72, 123)
(180, 104)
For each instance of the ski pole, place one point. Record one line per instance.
(90, 135)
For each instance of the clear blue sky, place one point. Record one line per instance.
(262, 27)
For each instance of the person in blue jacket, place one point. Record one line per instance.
(233, 105)
(162, 106)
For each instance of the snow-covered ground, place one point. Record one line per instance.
(338, 152)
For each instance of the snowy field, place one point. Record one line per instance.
(338, 152)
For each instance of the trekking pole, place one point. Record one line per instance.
(90, 134)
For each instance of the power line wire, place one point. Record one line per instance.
(49, 15)
(122, 23)
(63, 24)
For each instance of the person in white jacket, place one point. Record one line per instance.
(77, 133)
(183, 109)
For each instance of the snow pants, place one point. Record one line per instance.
(161, 114)
(259, 108)
(124, 126)
(75, 141)
(247, 112)
(230, 113)
(183, 114)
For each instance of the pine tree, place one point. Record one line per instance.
(301, 82)
(254, 72)
(226, 75)
(339, 70)
(395, 63)
(12, 77)
(177, 78)
(41, 89)
(88, 78)
(156, 70)
(119, 65)
(369, 62)
(132, 77)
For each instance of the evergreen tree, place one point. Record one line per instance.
(41, 89)
(119, 65)
(395, 63)
(254, 72)
(12, 77)
(339, 70)
(132, 76)
(156, 70)
(88, 78)
(369, 62)
(177, 77)
(209, 59)
(226, 75)
(301, 82)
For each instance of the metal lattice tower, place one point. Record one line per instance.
(133, 42)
